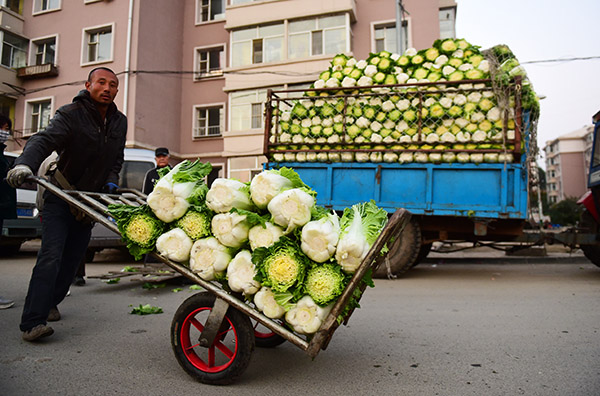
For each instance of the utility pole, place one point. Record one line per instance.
(399, 20)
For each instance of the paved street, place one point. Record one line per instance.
(457, 326)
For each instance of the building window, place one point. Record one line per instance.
(317, 36)
(209, 10)
(12, 5)
(45, 51)
(447, 23)
(38, 115)
(209, 62)
(386, 38)
(14, 50)
(247, 109)
(259, 44)
(45, 5)
(98, 44)
(208, 121)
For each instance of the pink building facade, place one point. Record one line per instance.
(193, 73)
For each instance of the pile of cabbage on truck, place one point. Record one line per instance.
(266, 240)
(448, 103)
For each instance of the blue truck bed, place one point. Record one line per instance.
(468, 190)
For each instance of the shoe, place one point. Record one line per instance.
(38, 331)
(6, 303)
(79, 281)
(53, 315)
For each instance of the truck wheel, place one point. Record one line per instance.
(403, 251)
(423, 252)
(591, 252)
(229, 355)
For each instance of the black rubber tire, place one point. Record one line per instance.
(231, 350)
(265, 338)
(403, 251)
(588, 223)
(423, 252)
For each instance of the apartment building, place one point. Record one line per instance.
(568, 163)
(193, 73)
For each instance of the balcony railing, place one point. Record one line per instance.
(37, 71)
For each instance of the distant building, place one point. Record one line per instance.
(193, 73)
(567, 164)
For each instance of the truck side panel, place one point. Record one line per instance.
(497, 191)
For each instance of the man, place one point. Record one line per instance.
(89, 136)
(8, 195)
(162, 159)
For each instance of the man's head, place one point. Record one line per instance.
(162, 157)
(5, 123)
(103, 85)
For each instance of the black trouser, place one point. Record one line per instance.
(64, 241)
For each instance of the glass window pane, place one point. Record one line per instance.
(243, 97)
(244, 34)
(215, 59)
(240, 117)
(333, 21)
(317, 42)
(304, 25)
(257, 51)
(298, 46)
(270, 30)
(241, 54)
(273, 49)
(335, 41)
(104, 41)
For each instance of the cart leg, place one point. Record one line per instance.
(213, 323)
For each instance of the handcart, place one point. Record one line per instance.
(212, 332)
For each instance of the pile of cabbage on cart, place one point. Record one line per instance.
(266, 240)
(448, 103)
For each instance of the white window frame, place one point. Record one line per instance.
(84, 43)
(453, 33)
(378, 24)
(323, 31)
(198, 74)
(33, 48)
(195, 127)
(37, 7)
(27, 130)
(256, 169)
(91, 1)
(218, 17)
(256, 92)
(262, 39)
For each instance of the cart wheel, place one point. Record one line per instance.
(265, 338)
(229, 355)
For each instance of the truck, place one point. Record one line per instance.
(465, 169)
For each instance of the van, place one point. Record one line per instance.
(27, 225)
(137, 163)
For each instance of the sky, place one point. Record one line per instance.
(543, 30)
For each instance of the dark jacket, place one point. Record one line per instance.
(90, 151)
(8, 195)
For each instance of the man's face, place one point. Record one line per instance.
(162, 161)
(103, 87)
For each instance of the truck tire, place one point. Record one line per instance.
(403, 251)
(423, 252)
(591, 252)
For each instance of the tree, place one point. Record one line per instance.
(565, 212)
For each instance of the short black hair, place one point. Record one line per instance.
(96, 69)
(4, 120)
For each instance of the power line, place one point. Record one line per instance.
(562, 60)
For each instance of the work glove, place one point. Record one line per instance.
(17, 175)
(110, 188)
